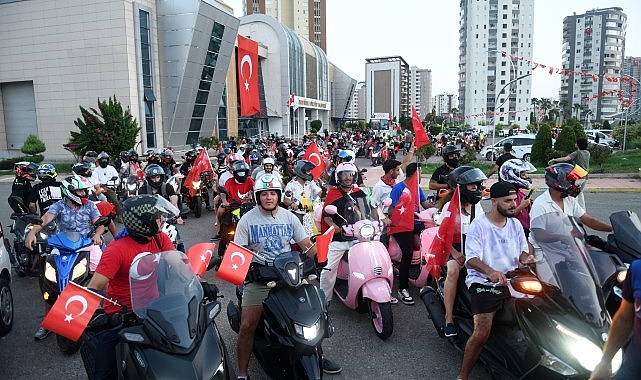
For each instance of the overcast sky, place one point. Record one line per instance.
(425, 34)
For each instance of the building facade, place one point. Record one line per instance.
(421, 90)
(387, 83)
(305, 17)
(166, 61)
(593, 42)
(356, 109)
(632, 70)
(493, 87)
(445, 103)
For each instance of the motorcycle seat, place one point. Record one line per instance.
(507, 315)
(17, 215)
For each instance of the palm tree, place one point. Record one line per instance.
(535, 102)
(553, 114)
(587, 113)
(545, 104)
(565, 109)
(577, 107)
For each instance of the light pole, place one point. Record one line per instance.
(627, 110)
(496, 99)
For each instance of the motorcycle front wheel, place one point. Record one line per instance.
(380, 315)
(67, 346)
(197, 204)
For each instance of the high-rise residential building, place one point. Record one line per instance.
(356, 108)
(421, 90)
(632, 70)
(494, 86)
(304, 17)
(444, 103)
(387, 86)
(593, 42)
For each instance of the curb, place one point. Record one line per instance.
(613, 189)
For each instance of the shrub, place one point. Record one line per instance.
(33, 145)
(315, 126)
(565, 141)
(542, 143)
(599, 155)
(425, 152)
(469, 155)
(7, 164)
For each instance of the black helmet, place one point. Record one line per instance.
(25, 169)
(90, 156)
(451, 149)
(302, 169)
(139, 215)
(47, 172)
(82, 169)
(154, 170)
(132, 155)
(191, 155)
(240, 170)
(123, 155)
(103, 159)
(561, 177)
(468, 176)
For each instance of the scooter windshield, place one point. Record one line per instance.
(166, 293)
(563, 262)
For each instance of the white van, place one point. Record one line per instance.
(521, 147)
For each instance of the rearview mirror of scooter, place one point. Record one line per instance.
(102, 221)
(331, 209)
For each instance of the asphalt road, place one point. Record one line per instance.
(414, 351)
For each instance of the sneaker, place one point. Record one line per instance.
(405, 297)
(393, 300)
(449, 330)
(330, 366)
(243, 377)
(41, 333)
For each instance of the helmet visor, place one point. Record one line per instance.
(577, 173)
(165, 208)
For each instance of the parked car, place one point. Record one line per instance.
(605, 136)
(6, 297)
(521, 147)
(600, 143)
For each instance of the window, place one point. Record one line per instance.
(148, 89)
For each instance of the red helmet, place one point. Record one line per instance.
(25, 169)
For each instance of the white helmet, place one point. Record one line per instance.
(233, 158)
(345, 167)
(511, 171)
(269, 160)
(73, 183)
(266, 182)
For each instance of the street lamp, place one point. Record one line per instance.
(496, 99)
(627, 110)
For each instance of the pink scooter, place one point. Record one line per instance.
(419, 272)
(365, 276)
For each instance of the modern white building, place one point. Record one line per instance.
(165, 60)
(493, 87)
(593, 42)
(387, 82)
(632, 70)
(444, 103)
(421, 90)
(356, 110)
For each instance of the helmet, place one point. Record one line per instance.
(346, 156)
(90, 156)
(234, 157)
(267, 182)
(132, 155)
(102, 155)
(197, 147)
(25, 169)
(123, 155)
(302, 169)
(254, 157)
(226, 151)
(346, 168)
(82, 169)
(167, 153)
(103, 159)
(191, 155)
(451, 149)
(240, 170)
(465, 175)
(561, 177)
(154, 170)
(515, 172)
(152, 156)
(269, 161)
(139, 214)
(70, 186)
(47, 172)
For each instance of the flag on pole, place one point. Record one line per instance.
(312, 154)
(199, 256)
(201, 165)
(235, 264)
(419, 130)
(72, 311)
(449, 232)
(248, 76)
(322, 244)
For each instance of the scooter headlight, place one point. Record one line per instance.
(585, 352)
(50, 273)
(367, 231)
(307, 332)
(131, 187)
(79, 269)
(196, 184)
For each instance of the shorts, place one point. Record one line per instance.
(254, 294)
(488, 299)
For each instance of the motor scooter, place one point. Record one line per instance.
(365, 276)
(555, 324)
(294, 322)
(375, 155)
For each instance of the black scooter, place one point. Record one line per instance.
(555, 324)
(171, 332)
(287, 341)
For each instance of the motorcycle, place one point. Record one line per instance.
(195, 202)
(175, 181)
(68, 259)
(294, 322)
(364, 276)
(26, 262)
(228, 222)
(375, 155)
(170, 331)
(554, 325)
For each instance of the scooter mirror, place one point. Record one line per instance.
(387, 202)
(331, 209)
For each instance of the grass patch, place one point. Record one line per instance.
(620, 162)
(61, 168)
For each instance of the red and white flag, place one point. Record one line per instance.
(419, 130)
(199, 256)
(312, 154)
(201, 165)
(72, 311)
(235, 264)
(449, 232)
(322, 244)
(248, 76)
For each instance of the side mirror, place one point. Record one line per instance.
(114, 178)
(363, 170)
(102, 221)
(331, 209)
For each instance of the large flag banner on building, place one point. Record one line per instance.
(235, 264)
(248, 76)
(201, 165)
(312, 154)
(72, 311)
(419, 130)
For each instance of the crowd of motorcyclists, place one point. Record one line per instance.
(270, 175)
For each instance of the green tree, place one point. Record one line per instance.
(315, 126)
(110, 128)
(33, 145)
(542, 144)
(425, 152)
(599, 155)
(565, 140)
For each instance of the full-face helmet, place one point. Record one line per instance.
(72, 185)
(303, 168)
(515, 172)
(47, 172)
(240, 170)
(154, 170)
(140, 215)
(562, 177)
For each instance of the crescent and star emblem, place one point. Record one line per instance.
(205, 258)
(246, 59)
(76, 298)
(234, 266)
(318, 160)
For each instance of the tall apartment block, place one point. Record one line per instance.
(305, 17)
(632, 69)
(387, 85)
(489, 80)
(594, 42)
(421, 90)
(444, 103)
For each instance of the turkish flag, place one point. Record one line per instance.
(312, 154)
(235, 264)
(322, 244)
(72, 311)
(199, 256)
(248, 76)
(403, 215)
(449, 232)
(421, 136)
(201, 165)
